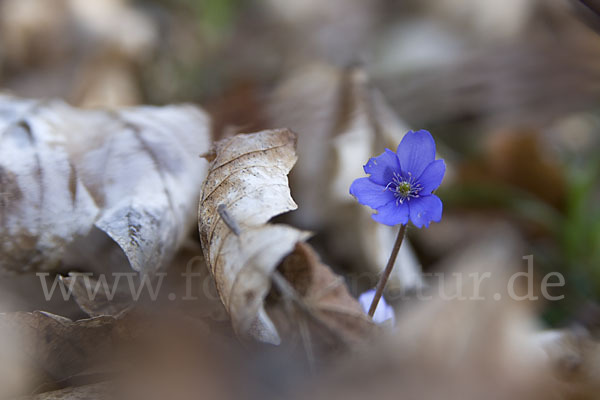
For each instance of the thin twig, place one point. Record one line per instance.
(387, 271)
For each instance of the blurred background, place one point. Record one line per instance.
(510, 89)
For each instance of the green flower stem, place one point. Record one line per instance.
(387, 271)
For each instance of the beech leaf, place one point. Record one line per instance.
(248, 177)
(66, 172)
(246, 186)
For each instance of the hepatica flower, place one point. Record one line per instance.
(401, 184)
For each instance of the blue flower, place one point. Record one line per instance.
(383, 312)
(401, 184)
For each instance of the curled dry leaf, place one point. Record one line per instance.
(341, 123)
(332, 313)
(246, 186)
(67, 173)
(248, 176)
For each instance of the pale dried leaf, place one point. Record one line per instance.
(128, 173)
(248, 176)
(43, 205)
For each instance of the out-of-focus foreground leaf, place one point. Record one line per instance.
(49, 348)
(458, 340)
(97, 391)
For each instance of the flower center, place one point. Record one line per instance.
(403, 188)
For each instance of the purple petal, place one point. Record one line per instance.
(392, 214)
(383, 312)
(382, 167)
(370, 194)
(432, 176)
(424, 210)
(415, 152)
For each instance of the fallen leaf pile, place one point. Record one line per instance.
(157, 252)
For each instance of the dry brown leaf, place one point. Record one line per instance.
(575, 360)
(89, 294)
(333, 313)
(521, 158)
(96, 391)
(187, 287)
(247, 186)
(341, 123)
(53, 348)
(141, 355)
(67, 173)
